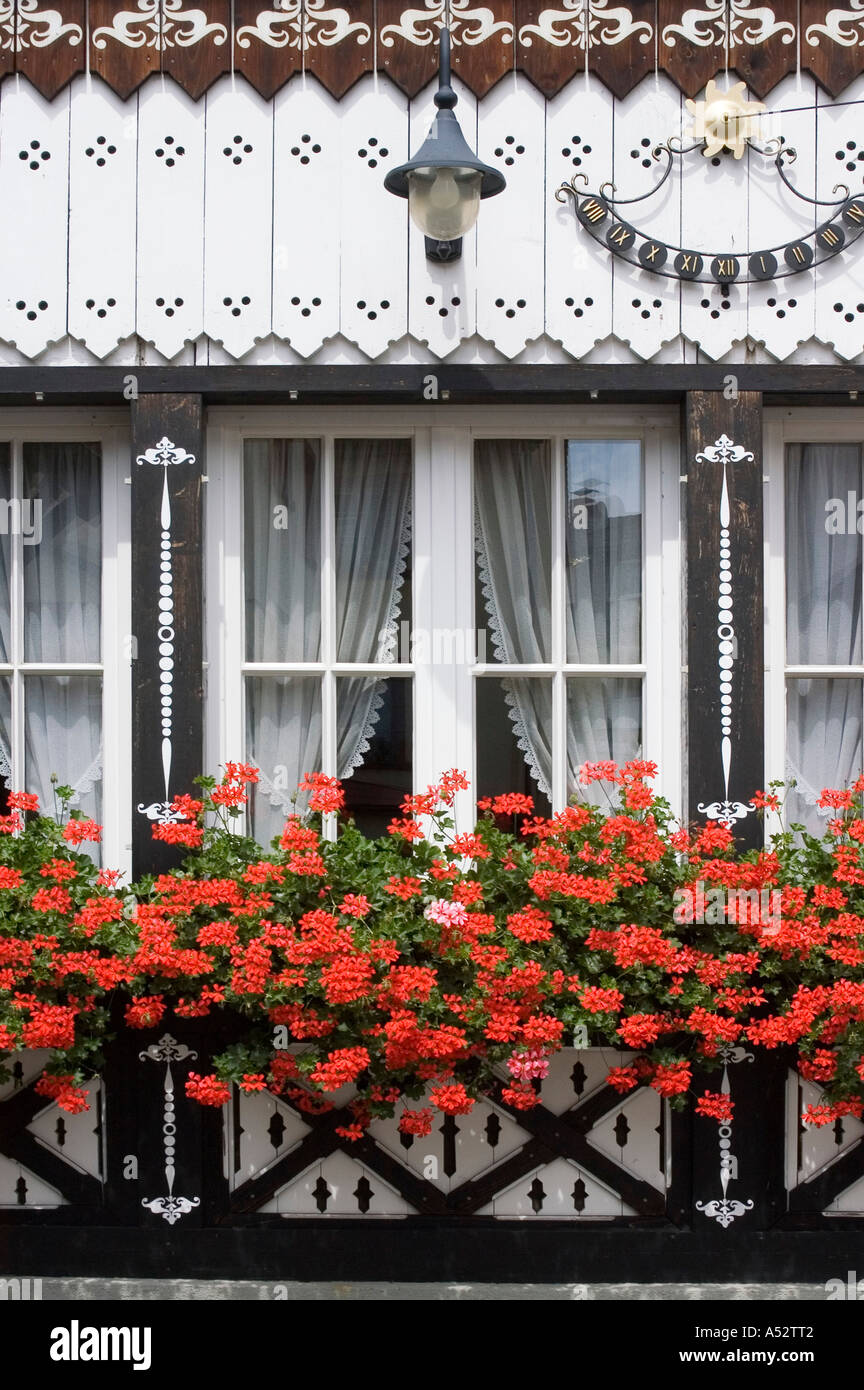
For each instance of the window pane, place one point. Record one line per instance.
(283, 739)
(7, 522)
(823, 561)
(282, 536)
(63, 737)
(823, 744)
(513, 533)
(604, 724)
(61, 526)
(514, 732)
(603, 518)
(374, 748)
(373, 548)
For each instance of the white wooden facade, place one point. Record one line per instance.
(239, 230)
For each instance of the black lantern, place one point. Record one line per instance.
(445, 180)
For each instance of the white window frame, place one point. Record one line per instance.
(443, 593)
(781, 428)
(110, 429)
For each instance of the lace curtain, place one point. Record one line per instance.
(61, 564)
(823, 627)
(513, 535)
(283, 602)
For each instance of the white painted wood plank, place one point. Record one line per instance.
(850, 1201)
(714, 220)
(307, 198)
(474, 1152)
(646, 308)
(31, 1062)
(642, 1112)
(442, 299)
(38, 1193)
(819, 1146)
(257, 1151)
(34, 168)
(839, 315)
(781, 313)
(170, 217)
(557, 1180)
(341, 1175)
(73, 1138)
(238, 225)
(578, 285)
(511, 226)
(373, 134)
(102, 216)
(564, 1087)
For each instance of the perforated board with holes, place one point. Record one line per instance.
(839, 302)
(170, 218)
(34, 166)
(239, 158)
(649, 304)
(305, 249)
(578, 142)
(373, 246)
(102, 216)
(510, 235)
(298, 240)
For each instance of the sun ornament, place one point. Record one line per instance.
(724, 120)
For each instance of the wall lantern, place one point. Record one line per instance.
(445, 181)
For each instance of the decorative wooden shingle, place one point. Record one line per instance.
(550, 46)
(408, 42)
(763, 42)
(196, 47)
(832, 42)
(622, 43)
(49, 43)
(691, 42)
(338, 43)
(268, 43)
(124, 44)
(484, 46)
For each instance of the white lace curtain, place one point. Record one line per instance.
(283, 602)
(823, 627)
(513, 533)
(62, 716)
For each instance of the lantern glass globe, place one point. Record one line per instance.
(444, 203)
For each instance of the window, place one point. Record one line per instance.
(559, 562)
(413, 591)
(64, 665)
(814, 614)
(327, 587)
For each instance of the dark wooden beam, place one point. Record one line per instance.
(571, 383)
(167, 607)
(722, 463)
